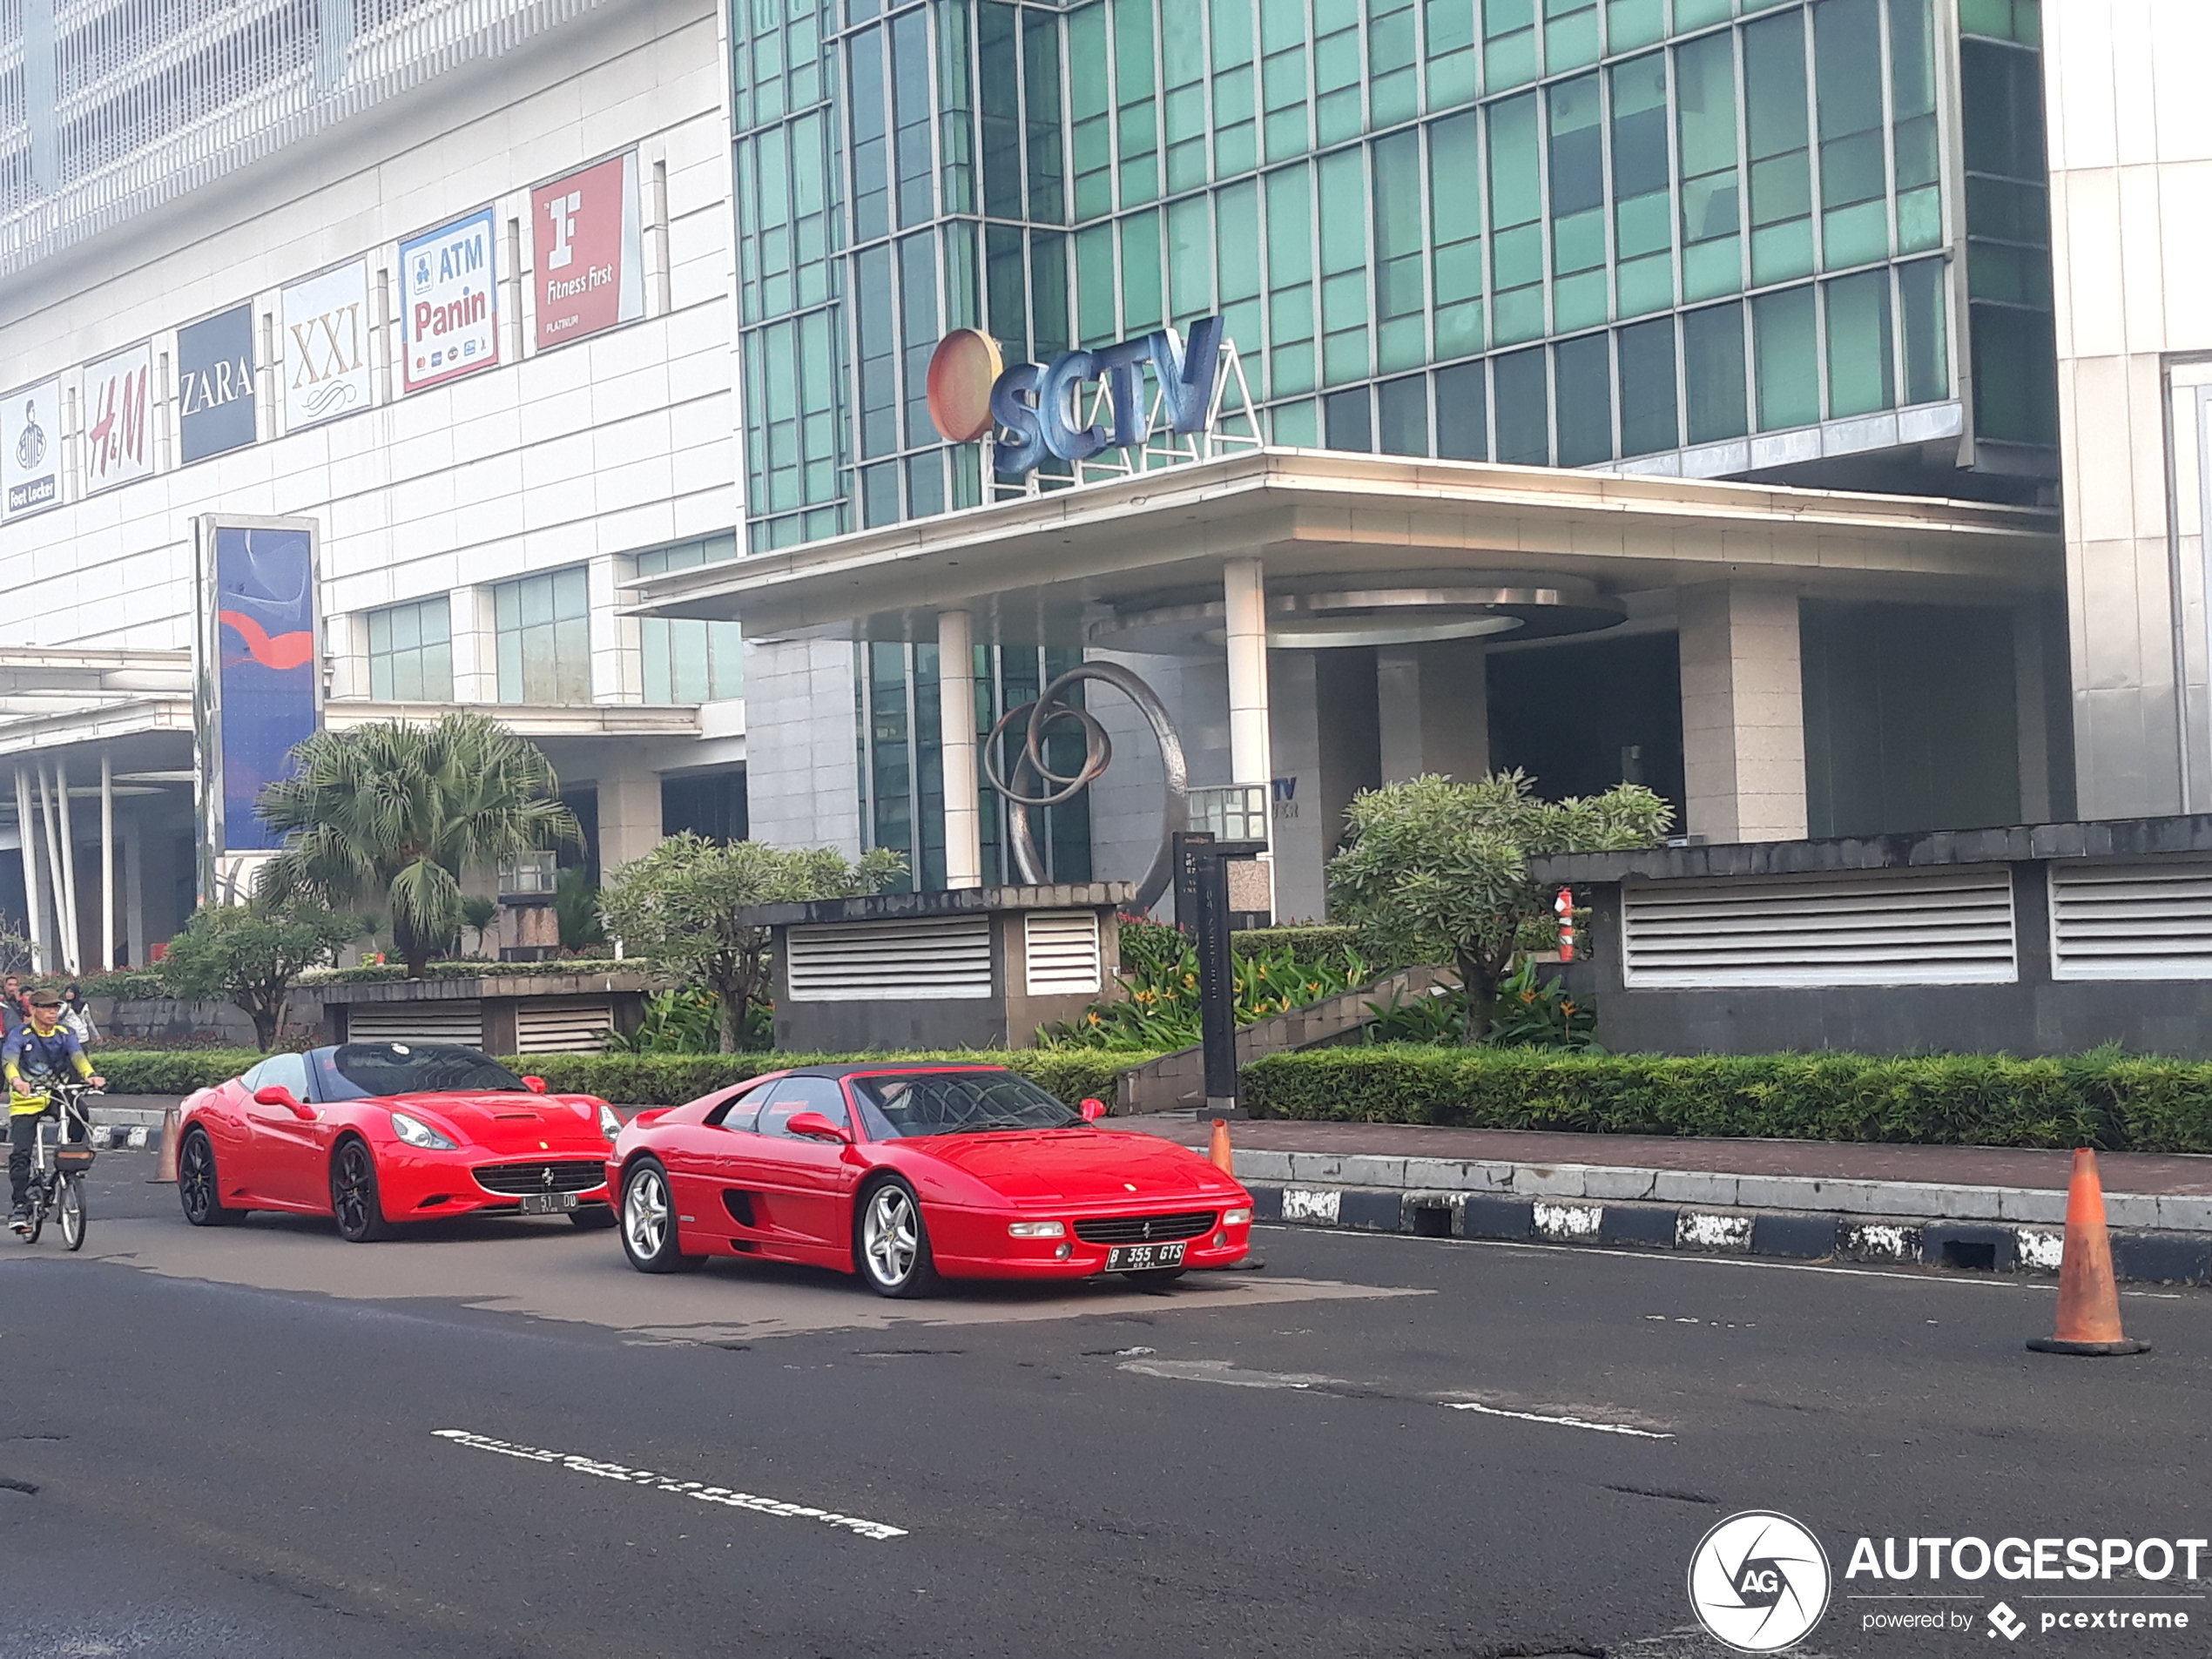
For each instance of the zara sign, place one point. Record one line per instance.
(1052, 410)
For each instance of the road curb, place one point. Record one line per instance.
(2139, 1255)
(1605, 1184)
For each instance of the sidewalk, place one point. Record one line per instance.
(1999, 1208)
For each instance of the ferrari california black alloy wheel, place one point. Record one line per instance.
(892, 1244)
(352, 1195)
(649, 1221)
(197, 1187)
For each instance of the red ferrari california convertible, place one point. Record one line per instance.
(375, 1133)
(906, 1174)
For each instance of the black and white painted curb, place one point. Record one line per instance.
(2165, 1257)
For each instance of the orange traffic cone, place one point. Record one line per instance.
(1217, 1152)
(2089, 1300)
(164, 1167)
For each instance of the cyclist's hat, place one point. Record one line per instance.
(45, 999)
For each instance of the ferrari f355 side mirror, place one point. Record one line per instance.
(814, 1127)
(535, 1085)
(1093, 1110)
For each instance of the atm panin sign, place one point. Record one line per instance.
(1055, 409)
(448, 302)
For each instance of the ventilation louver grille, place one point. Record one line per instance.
(562, 1030)
(1062, 952)
(2131, 921)
(455, 1023)
(908, 961)
(1892, 928)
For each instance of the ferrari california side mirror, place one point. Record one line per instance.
(814, 1127)
(1093, 1110)
(277, 1094)
(535, 1085)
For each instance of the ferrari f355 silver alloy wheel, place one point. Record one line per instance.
(649, 1236)
(895, 1242)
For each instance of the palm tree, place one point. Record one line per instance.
(392, 815)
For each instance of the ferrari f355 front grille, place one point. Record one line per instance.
(1143, 1230)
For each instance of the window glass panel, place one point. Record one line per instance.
(1775, 124)
(1631, 23)
(1462, 413)
(1712, 342)
(1509, 42)
(1922, 300)
(1860, 376)
(1648, 421)
(1584, 370)
(1524, 408)
(543, 638)
(1455, 209)
(410, 653)
(1788, 364)
(1516, 200)
(1913, 92)
(1041, 92)
(1705, 91)
(1401, 415)
(1344, 420)
(1190, 286)
(1577, 175)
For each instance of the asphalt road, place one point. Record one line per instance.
(499, 1441)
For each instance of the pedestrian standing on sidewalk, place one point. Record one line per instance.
(77, 1014)
(12, 1008)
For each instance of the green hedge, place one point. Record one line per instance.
(1310, 942)
(2113, 1102)
(630, 1080)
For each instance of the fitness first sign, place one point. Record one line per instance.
(448, 302)
(586, 253)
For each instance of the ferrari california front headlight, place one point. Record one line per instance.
(610, 1125)
(1037, 1228)
(416, 1132)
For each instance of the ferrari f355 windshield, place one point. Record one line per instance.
(909, 1105)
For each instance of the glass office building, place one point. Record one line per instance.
(1802, 242)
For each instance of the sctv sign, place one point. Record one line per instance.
(1053, 410)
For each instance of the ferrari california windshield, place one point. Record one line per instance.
(909, 1105)
(370, 1070)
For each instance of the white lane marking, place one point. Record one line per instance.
(1232, 1375)
(575, 1463)
(1563, 1422)
(1670, 1258)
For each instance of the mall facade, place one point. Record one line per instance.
(1656, 389)
(1748, 398)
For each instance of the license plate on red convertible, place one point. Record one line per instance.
(548, 1203)
(1133, 1258)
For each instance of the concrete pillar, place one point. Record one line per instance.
(1432, 703)
(628, 816)
(475, 648)
(134, 891)
(28, 832)
(1742, 712)
(956, 732)
(1245, 595)
(617, 657)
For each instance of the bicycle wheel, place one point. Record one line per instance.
(41, 1203)
(73, 1207)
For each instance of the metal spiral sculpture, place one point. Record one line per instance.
(1034, 784)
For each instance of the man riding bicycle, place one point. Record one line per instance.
(36, 1053)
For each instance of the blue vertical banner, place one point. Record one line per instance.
(261, 674)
